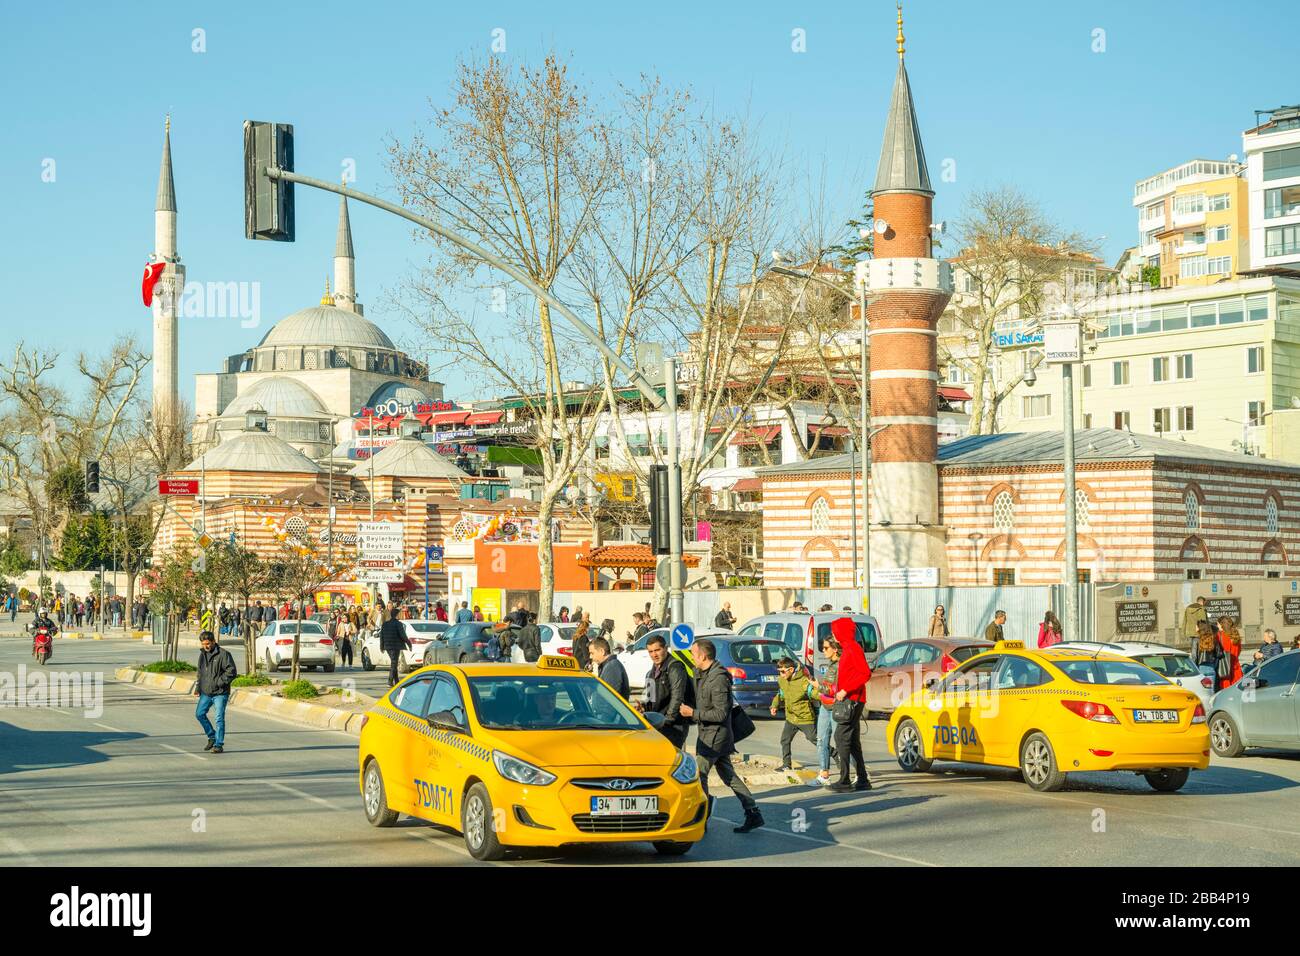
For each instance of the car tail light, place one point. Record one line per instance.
(1207, 683)
(365, 719)
(419, 640)
(284, 641)
(948, 662)
(1198, 715)
(737, 673)
(1091, 710)
(327, 641)
(812, 637)
(1101, 753)
(480, 643)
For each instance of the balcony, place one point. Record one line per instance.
(1155, 222)
(1190, 248)
(1150, 250)
(1182, 219)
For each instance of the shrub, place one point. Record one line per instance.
(298, 690)
(169, 667)
(250, 680)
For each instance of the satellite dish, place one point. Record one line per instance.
(939, 228)
(882, 227)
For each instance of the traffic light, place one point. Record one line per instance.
(268, 203)
(92, 477)
(660, 536)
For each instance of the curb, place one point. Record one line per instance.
(297, 711)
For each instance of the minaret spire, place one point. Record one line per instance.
(900, 32)
(345, 262)
(166, 389)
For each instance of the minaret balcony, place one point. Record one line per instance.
(905, 273)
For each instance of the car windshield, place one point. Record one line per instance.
(960, 654)
(1171, 665)
(866, 635)
(757, 652)
(543, 702)
(308, 627)
(427, 627)
(1098, 671)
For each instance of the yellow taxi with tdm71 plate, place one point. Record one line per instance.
(1052, 712)
(526, 755)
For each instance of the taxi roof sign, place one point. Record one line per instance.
(557, 662)
(1009, 646)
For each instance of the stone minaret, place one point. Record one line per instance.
(345, 263)
(908, 290)
(167, 293)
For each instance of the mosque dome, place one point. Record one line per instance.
(327, 325)
(279, 397)
(257, 451)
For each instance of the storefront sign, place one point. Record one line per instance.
(1217, 607)
(452, 435)
(1005, 340)
(1136, 617)
(1291, 610)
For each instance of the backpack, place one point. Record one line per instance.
(492, 650)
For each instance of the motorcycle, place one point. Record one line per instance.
(42, 645)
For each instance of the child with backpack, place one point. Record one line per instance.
(797, 693)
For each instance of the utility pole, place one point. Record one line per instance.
(676, 597)
(864, 596)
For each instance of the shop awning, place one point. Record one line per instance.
(748, 484)
(763, 435)
(484, 418)
(954, 394)
(449, 418)
(829, 431)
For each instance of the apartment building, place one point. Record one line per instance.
(1210, 365)
(1272, 150)
(1193, 222)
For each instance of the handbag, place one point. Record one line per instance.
(842, 711)
(742, 725)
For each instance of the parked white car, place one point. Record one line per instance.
(419, 633)
(636, 659)
(274, 646)
(557, 638)
(1172, 663)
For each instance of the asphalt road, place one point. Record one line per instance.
(131, 786)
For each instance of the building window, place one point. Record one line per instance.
(1271, 517)
(1084, 576)
(819, 577)
(1218, 233)
(1282, 241)
(1192, 267)
(821, 516)
(1273, 574)
(628, 488)
(1183, 366)
(1119, 373)
(1087, 375)
(1189, 203)
(1186, 419)
(1192, 507)
(1036, 406)
(1082, 509)
(1255, 413)
(1004, 576)
(1160, 368)
(1193, 574)
(1121, 421)
(1220, 201)
(1282, 163)
(1254, 359)
(1087, 419)
(1284, 201)
(1004, 512)
(1160, 419)
(1218, 266)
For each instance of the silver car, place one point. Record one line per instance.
(1260, 710)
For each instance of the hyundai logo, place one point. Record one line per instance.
(619, 783)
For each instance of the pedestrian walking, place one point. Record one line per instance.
(608, 667)
(563, 615)
(529, 640)
(1049, 631)
(994, 631)
(795, 692)
(938, 623)
(344, 639)
(464, 615)
(1230, 640)
(1193, 615)
(216, 671)
(715, 739)
(725, 619)
(1206, 652)
(392, 641)
(478, 613)
(849, 700)
(581, 638)
(825, 682)
(667, 687)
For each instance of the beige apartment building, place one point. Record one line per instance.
(1193, 222)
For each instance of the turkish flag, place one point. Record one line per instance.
(152, 272)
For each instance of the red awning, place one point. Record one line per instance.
(829, 431)
(449, 418)
(763, 435)
(954, 394)
(484, 418)
(748, 484)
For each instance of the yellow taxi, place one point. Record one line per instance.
(526, 755)
(1053, 712)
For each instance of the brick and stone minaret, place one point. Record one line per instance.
(908, 289)
(167, 293)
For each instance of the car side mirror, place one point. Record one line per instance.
(443, 720)
(654, 719)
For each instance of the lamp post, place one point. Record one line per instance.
(1063, 345)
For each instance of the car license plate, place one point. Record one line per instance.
(769, 678)
(613, 806)
(1155, 716)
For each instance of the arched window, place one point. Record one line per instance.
(1082, 516)
(1271, 516)
(821, 516)
(1004, 512)
(1192, 504)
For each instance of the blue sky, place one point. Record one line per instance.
(1012, 92)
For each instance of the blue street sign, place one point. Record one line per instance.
(683, 636)
(1214, 589)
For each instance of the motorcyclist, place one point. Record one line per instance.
(42, 620)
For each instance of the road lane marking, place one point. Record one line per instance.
(20, 851)
(319, 801)
(847, 846)
(185, 752)
(117, 730)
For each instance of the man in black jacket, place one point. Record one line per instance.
(725, 618)
(671, 688)
(529, 639)
(715, 742)
(392, 641)
(216, 671)
(608, 667)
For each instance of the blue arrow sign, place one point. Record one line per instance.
(683, 636)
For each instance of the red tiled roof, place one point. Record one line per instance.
(748, 484)
(627, 556)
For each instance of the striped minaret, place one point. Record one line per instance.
(167, 293)
(908, 289)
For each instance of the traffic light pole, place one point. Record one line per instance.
(676, 598)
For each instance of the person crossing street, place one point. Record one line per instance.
(392, 641)
(216, 671)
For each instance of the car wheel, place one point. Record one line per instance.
(478, 825)
(1038, 764)
(1167, 781)
(1225, 738)
(366, 663)
(329, 668)
(375, 798)
(909, 747)
(464, 658)
(672, 848)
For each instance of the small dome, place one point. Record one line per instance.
(404, 394)
(279, 397)
(328, 326)
(408, 458)
(254, 451)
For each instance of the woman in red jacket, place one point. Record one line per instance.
(1230, 641)
(849, 699)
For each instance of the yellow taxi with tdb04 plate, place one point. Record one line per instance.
(1054, 712)
(526, 755)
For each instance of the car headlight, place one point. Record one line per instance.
(521, 771)
(687, 770)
